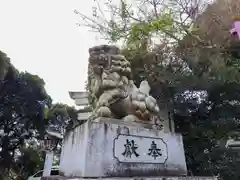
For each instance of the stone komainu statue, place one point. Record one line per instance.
(112, 89)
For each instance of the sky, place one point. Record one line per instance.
(41, 37)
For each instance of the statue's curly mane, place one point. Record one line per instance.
(106, 59)
(112, 91)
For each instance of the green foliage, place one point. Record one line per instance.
(180, 66)
(29, 162)
(62, 117)
(4, 65)
(207, 125)
(136, 22)
(140, 32)
(37, 85)
(24, 115)
(22, 99)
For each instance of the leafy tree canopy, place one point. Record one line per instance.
(62, 117)
(196, 79)
(22, 102)
(29, 162)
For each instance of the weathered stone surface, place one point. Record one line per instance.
(113, 91)
(97, 149)
(134, 178)
(155, 151)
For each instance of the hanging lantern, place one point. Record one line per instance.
(49, 143)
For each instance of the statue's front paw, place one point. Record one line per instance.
(143, 115)
(140, 109)
(104, 112)
(139, 105)
(130, 118)
(151, 105)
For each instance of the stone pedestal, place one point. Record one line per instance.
(112, 148)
